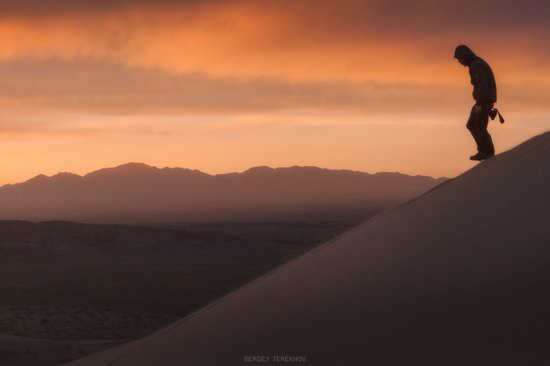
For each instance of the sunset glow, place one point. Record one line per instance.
(222, 86)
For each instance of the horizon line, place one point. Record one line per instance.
(145, 165)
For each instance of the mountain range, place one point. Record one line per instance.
(138, 193)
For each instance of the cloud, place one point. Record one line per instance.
(249, 57)
(95, 87)
(363, 40)
(55, 7)
(486, 12)
(104, 88)
(17, 127)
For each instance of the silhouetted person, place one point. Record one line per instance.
(485, 95)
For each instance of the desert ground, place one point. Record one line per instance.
(69, 290)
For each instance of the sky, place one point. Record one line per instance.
(223, 86)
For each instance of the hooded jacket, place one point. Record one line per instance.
(481, 76)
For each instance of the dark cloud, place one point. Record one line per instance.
(392, 16)
(424, 22)
(433, 26)
(49, 7)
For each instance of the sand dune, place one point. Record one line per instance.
(459, 276)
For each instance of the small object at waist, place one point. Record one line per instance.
(494, 112)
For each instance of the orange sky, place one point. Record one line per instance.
(225, 85)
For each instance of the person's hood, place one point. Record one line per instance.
(465, 53)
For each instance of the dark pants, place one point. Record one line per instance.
(477, 124)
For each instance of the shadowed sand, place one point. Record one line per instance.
(459, 276)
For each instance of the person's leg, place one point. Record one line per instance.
(486, 142)
(471, 126)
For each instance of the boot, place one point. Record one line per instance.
(482, 156)
(479, 156)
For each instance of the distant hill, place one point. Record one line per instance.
(137, 192)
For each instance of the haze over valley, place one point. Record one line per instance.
(138, 193)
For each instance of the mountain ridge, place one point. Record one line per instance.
(151, 168)
(136, 192)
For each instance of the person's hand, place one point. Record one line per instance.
(477, 110)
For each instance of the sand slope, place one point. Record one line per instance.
(458, 276)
